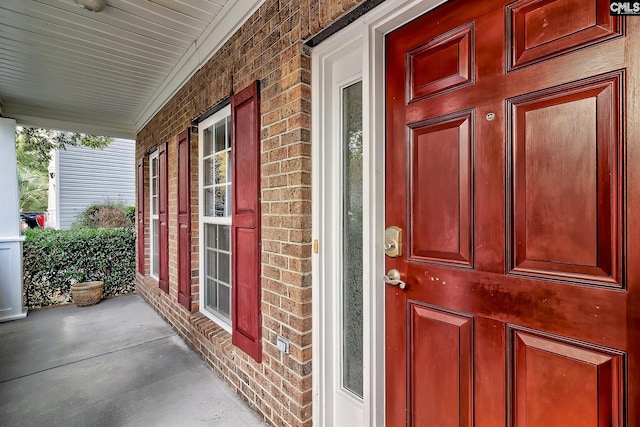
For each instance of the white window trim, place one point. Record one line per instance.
(202, 220)
(366, 35)
(153, 156)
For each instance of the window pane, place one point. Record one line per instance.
(211, 264)
(209, 202)
(221, 168)
(221, 135)
(221, 198)
(154, 172)
(224, 264)
(227, 208)
(223, 236)
(210, 236)
(207, 144)
(352, 302)
(224, 299)
(211, 296)
(217, 270)
(154, 185)
(154, 250)
(207, 169)
(154, 205)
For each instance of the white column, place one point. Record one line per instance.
(11, 306)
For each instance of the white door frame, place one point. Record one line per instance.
(339, 68)
(363, 40)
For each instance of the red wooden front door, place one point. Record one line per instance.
(513, 169)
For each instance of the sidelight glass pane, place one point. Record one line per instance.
(352, 270)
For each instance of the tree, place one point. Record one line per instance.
(40, 143)
(33, 186)
(33, 153)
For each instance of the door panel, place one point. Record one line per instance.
(548, 370)
(565, 153)
(441, 150)
(506, 165)
(449, 367)
(538, 30)
(452, 51)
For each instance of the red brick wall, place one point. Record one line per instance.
(269, 47)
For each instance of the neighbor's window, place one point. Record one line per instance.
(155, 232)
(215, 216)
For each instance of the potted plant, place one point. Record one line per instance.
(86, 292)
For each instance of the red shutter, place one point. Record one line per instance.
(245, 228)
(184, 221)
(140, 211)
(163, 217)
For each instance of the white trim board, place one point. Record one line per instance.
(366, 35)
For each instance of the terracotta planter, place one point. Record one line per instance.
(87, 293)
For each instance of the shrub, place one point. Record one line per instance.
(131, 213)
(105, 215)
(56, 259)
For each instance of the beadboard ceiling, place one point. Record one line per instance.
(107, 72)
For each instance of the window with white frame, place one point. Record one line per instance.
(153, 207)
(215, 216)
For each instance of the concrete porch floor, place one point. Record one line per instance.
(113, 364)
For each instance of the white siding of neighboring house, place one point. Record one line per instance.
(83, 176)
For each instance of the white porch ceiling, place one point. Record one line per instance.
(105, 73)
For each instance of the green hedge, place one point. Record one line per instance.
(56, 259)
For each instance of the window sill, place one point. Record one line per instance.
(219, 322)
